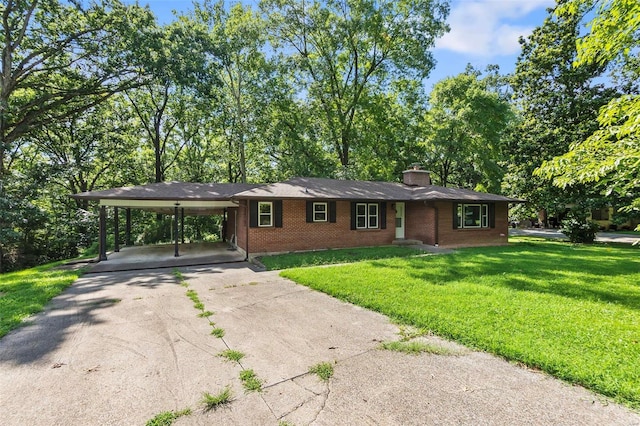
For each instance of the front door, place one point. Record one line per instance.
(400, 220)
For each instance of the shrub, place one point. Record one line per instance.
(579, 231)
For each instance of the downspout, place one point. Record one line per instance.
(248, 213)
(437, 224)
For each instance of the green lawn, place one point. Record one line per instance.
(572, 311)
(327, 257)
(26, 292)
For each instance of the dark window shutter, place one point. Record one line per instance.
(309, 211)
(277, 213)
(253, 214)
(353, 216)
(332, 211)
(383, 215)
(492, 215)
(455, 215)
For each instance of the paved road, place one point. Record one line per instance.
(604, 237)
(119, 348)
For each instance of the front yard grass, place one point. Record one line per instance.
(327, 257)
(572, 311)
(26, 292)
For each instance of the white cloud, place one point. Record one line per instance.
(488, 28)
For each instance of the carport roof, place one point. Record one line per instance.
(171, 191)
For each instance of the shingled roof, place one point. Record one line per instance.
(171, 191)
(331, 189)
(296, 188)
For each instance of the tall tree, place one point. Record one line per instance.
(59, 59)
(247, 82)
(465, 130)
(607, 157)
(558, 104)
(343, 50)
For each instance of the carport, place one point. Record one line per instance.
(178, 199)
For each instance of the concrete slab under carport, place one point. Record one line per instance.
(135, 258)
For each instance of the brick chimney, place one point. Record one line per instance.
(416, 177)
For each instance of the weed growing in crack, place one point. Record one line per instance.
(231, 355)
(205, 314)
(218, 332)
(415, 348)
(211, 402)
(250, 381)
(285, 423)
(324, 370)
(167, 418)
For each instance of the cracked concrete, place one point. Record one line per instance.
(120, 348)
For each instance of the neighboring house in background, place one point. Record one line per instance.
(603, 217)
(315, 213)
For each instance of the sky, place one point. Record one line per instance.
(483, 32)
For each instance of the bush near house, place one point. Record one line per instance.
(579, 231)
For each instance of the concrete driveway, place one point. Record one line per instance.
(119, 348)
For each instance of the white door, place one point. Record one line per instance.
(400, 220)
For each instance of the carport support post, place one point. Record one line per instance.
(102, 241)
(182, 225)
(175, 231)
(127, 230)
(116, 230)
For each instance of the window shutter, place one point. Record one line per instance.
(353, 216)
(332, 211)
(277, 214)
(309, 211)
(253, 214)
(455, 215)
(492, 215)
(383, 215)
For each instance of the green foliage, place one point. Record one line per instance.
(570, 310)
(464, 132)
(217, 332)
(343, 52)
(167, 418)
(327, 257)
(579, 230)
(231, 355)
(212, 402)
(608, 157)
(324, 370)
(558, 106)
(250, 381)
(415, 348)
(26, 292)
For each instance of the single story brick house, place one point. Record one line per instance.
(316, 213)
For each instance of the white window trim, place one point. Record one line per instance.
(464, 208)
(367, 216)
(484, 216)
(260, 214)
(325, 212)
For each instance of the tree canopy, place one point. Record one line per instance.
(609, 157)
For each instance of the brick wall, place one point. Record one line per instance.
(298, 235)
(449, 237)
(420, 224)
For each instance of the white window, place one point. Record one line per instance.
(473, 216)
(320, 212)
(265, 214)
(367, 215)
